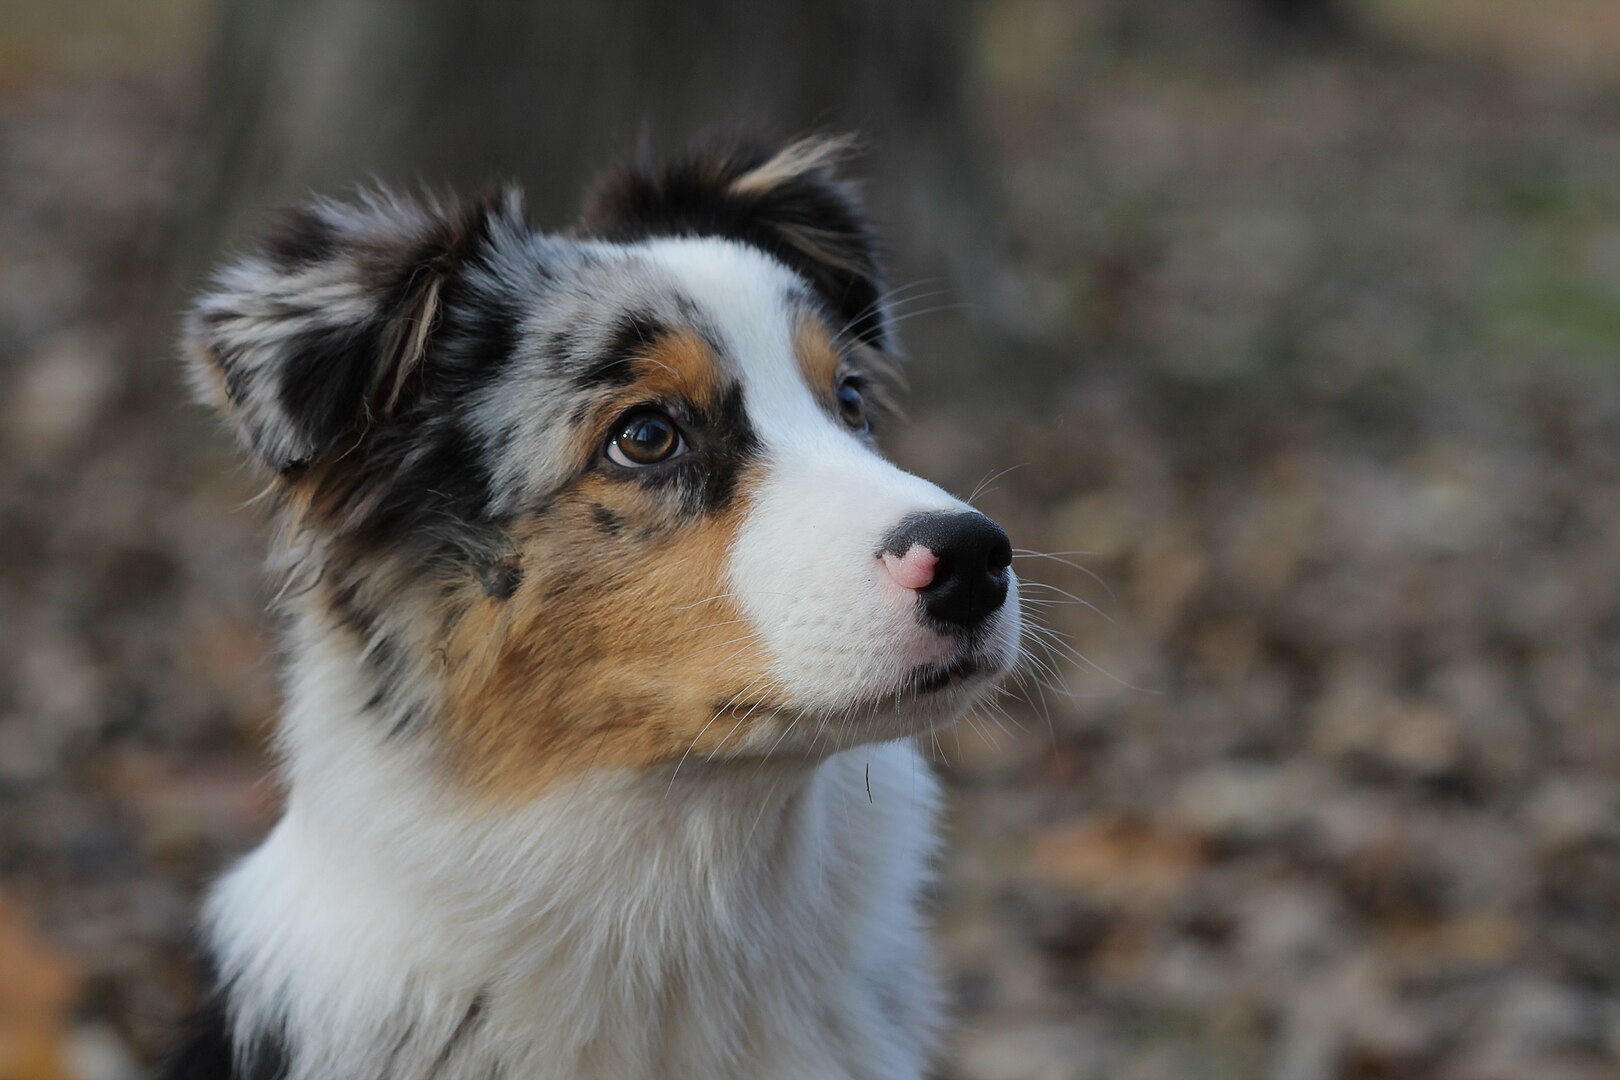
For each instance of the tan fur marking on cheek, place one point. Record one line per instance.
(616, 651)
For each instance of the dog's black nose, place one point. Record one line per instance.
(969, 576)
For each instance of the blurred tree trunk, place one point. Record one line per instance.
(319, 94)
(1311, 19)
(1284, 23)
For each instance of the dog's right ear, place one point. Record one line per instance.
(323, 330)
(794, 203)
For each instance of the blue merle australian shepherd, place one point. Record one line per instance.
(609, 632)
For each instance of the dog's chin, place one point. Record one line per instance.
(927, 697)
(900, 700)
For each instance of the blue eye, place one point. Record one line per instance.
(852, 404)
(644, 437)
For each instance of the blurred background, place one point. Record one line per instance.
(1289, 328)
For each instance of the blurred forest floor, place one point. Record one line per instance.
(1322, 403)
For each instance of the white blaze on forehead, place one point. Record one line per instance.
(805, 563)
(745, 297)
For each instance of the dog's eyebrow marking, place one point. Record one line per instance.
(819, 357)
(631, 338)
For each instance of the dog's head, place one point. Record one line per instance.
(610, 498)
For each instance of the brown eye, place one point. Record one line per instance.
(645, 437)
(852, 404)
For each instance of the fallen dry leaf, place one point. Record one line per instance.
(36, 992)
(1117, 862)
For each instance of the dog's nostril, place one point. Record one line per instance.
(1000, 554)
(971, 555)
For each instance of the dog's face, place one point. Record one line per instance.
(609, 499)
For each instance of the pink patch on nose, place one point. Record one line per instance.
(914, 569)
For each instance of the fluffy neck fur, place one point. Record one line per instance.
(751, 919)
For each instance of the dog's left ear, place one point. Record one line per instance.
(318, 337)
(792, 203)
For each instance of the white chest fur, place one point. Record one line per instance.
(752, 920)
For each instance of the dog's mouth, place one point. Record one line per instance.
(932, 678)
(961, 673)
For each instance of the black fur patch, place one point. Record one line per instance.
(484, 329)
(336, 378)
(324, 380)
(694, 197)
(501, 580)
(301, 238)
(207, 1052)
(705, 481)
(453, 476)
(728, 424)
(630, 338)
(423, 491)
(606, 520)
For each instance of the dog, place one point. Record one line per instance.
(608, 635)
